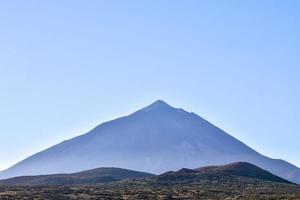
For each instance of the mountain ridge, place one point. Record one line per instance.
(93, 176)
(112, 174)
(237, 169)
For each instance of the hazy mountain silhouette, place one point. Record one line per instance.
(155, 139)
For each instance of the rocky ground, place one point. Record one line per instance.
(259, 190)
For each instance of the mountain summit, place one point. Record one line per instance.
(158, 104)
(155, 139)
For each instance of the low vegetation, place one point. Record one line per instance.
(235, 181)
(214, 189)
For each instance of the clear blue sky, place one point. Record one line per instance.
(66, 66)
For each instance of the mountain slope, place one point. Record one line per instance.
(156, 139)
(242, 169)
(238, 171)
(99, 175)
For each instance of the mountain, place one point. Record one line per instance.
(243, 169)
(94, 176)
(227, 172)
(239, 169)
(155, 139)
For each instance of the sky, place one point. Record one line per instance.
(68, 65)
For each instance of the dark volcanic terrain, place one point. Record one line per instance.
(234, 181)
(94, 176)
